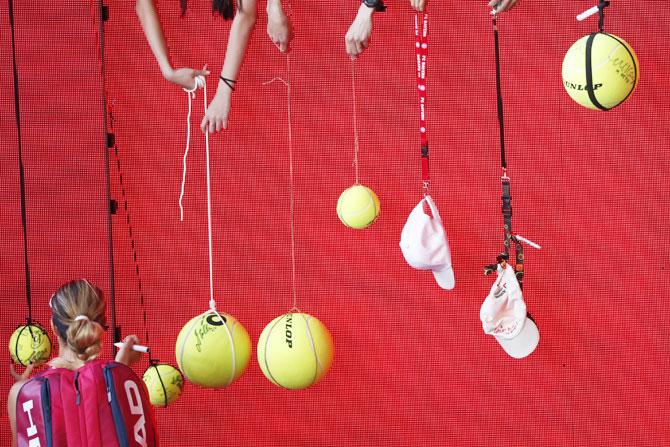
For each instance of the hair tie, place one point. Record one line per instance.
(81, 317)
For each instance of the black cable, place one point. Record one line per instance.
(22, 177)
(131, 235)
(109, 122)
(116, 335)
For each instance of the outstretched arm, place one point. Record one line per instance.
(358, 36)
(216, 118)
(151, 25)
(280, 29)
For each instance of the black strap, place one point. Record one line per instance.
(601, 14)
(506, 193)
(518, 268)
(377, 5)
(507, 213)
(589, 72)
(501, 122)
(22, 177)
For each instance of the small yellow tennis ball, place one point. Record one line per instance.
(295, 351)
(30, 344)
(358, 207)
(213, 353)
(164, 384)
(610, 64)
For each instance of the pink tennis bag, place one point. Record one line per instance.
(101, 404)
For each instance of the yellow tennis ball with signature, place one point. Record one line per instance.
(600, 71)
(213, 350)
(30, 344)
(164, 383)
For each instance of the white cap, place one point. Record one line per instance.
(504, 316)
(425, 246)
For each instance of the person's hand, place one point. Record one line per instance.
(419, 5)
(126, 355)
(185, 77)
(216, 118)
(24, 375)
(502, 5)
(358, 36)
(280, 29)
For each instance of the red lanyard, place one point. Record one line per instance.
(421, 33)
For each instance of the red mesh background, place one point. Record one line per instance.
(412, 365)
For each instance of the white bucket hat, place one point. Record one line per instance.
(424, 244)
(503, 314)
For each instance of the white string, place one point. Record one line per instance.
(318, 365)
(353, 90)
(212, 302)
(188, 144)
(287, 83)
(292, 192)
(199, 83)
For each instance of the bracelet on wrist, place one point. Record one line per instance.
(377, 5)
(229, 82)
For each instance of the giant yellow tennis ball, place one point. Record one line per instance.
(30, 344)
(213, 353)
(358, 207)
(600, 71)
(295, 351)
(164, 384)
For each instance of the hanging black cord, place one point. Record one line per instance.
(133, 245)
(109, 120)
(22, 177)
(506, 194)
(601, 14)
(501, 124)
(103, 15)
(506, 197)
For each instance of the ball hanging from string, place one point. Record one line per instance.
(30, 344)
(295, 350)
(600, 71)
(358, 207)
(213, 350)
(164, 384)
